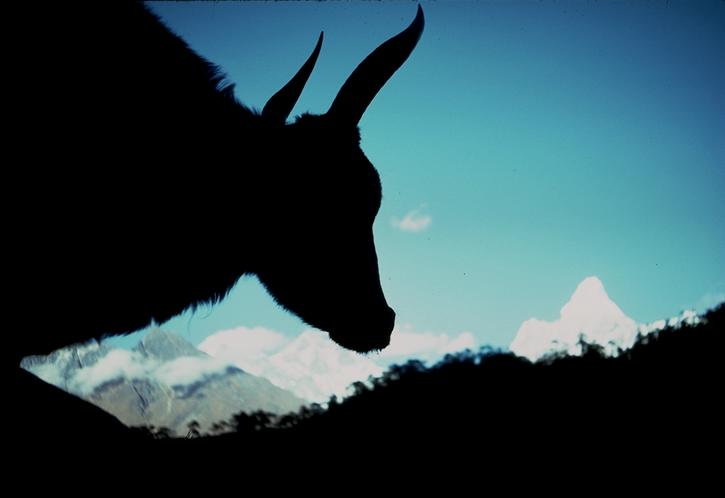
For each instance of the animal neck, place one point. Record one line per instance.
(228, 217)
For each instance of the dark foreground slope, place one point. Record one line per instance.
(665, 394)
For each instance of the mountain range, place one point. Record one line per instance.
(310, 365)
(164, 381)
(167, 382)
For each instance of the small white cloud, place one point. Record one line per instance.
(414, 221)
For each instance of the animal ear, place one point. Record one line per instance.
(279, 106)
(372, 73)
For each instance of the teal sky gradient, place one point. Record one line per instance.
(549, 141)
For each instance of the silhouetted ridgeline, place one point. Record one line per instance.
(666, 392)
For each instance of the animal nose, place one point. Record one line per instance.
(383, 324)
(371, 332)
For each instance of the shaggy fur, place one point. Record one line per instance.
(141, 188)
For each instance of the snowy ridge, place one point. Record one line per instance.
(311, 366)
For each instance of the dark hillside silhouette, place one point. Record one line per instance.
(662, 395)
(121, 137)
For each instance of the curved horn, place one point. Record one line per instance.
(372, 73)
(279, 106)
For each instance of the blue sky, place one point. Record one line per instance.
(544, 142)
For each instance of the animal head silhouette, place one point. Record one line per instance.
(342, 194)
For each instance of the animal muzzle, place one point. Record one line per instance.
(365, 333)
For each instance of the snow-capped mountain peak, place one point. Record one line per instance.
(310, 365)
(589, 300)
(589, 315)
(308, 361)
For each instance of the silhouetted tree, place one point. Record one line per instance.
(193, 429)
